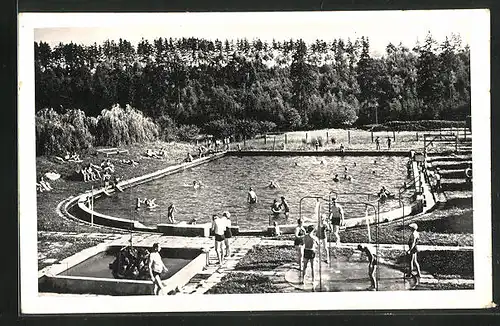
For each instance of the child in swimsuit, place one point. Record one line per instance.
(310, 244)
(300, 232)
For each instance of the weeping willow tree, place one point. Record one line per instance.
(57, 133)
(120, 126)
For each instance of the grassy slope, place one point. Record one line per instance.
(64, 187)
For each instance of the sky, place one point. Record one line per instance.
(382, 27)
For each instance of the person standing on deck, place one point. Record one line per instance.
(377, 143)
(413, 251)
(372, 265)
(219, 228)
(310, 245)
(336, 218)
(156, 267)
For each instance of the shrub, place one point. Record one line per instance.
(187, 132)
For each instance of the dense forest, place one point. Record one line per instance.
(116, 92)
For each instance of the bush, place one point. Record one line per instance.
(414, 125)
(187, 132)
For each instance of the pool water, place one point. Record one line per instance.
(225, 183)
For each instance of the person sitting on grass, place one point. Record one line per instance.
(189, 158)
(310, 245)
(372, 265)
(156, 267)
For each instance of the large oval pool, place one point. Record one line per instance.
(225, 183)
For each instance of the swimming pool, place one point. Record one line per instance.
(226, 182)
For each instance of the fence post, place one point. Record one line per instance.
(286, 142)
(456, 142)
(465, 132)
(348, 136)
(327, 140)
(265, 139)
(394, 135)
(245, 141)
(417, 136)
(306, 137)
(372, 136)
(274, 142)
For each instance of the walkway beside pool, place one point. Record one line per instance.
(286, 276)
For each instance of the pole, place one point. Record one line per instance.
(319, 245)
(306, 137)
(327, 138)
(286, 142)
(368, 224)
(92, 206)
(372, 136)
(456, 143)
(348, 136)
(265, 139)
(394, 135)
(417, 136)
(245, 141)
(274, 142)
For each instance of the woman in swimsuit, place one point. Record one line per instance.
(413, 251)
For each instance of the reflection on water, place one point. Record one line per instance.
(225, 184)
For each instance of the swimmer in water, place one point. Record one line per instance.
(151, 203)
(252, 196)
(196, 184)
(349, 178)
(354, 163)
(276, 208)
(336, 178)
(273, 185)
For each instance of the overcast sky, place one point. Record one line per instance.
(381, 27)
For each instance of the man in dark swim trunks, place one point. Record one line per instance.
(372, 265)
(336, 218)
(310, 245)
(219, 227)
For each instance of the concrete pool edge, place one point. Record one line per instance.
(50, 278)
(422, 203)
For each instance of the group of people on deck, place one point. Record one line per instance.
(221, 228)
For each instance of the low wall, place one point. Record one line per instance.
(77, 208)
(50, 279)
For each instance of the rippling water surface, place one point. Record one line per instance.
(226, 182)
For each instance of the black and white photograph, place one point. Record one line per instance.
(254, 161)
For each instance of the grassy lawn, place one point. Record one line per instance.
(354, 139)
(243, 283)
(57, 248)
(48, 220)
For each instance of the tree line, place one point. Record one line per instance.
(239, 87)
